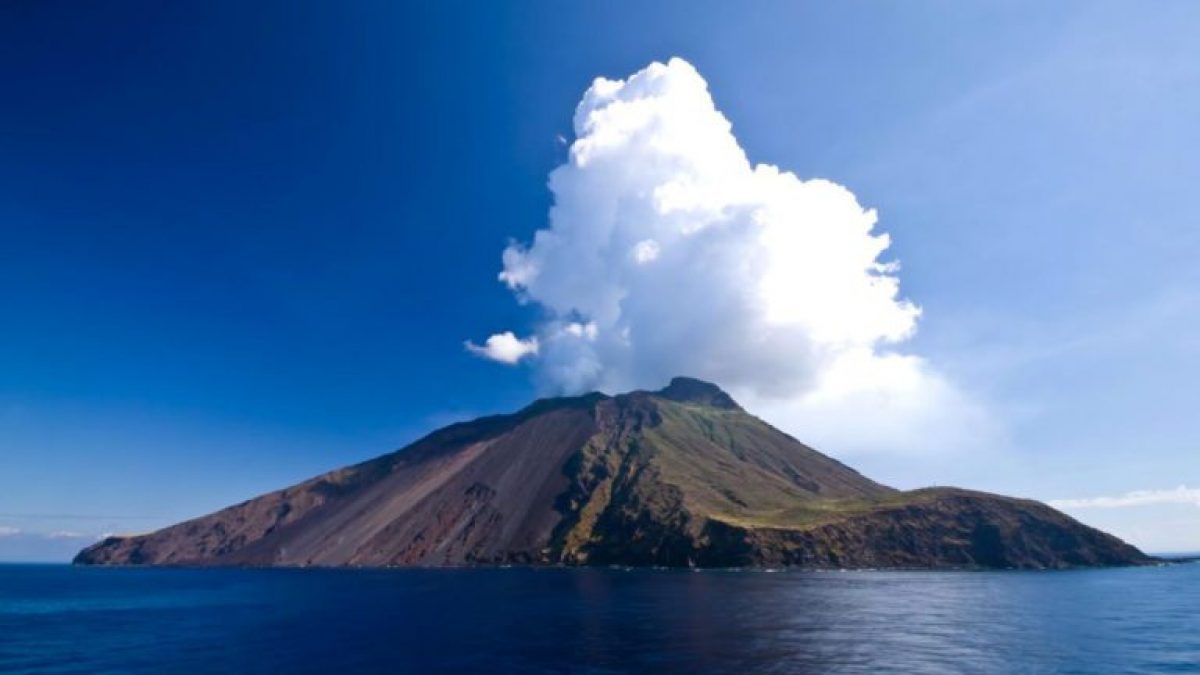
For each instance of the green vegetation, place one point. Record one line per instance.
(734, 468)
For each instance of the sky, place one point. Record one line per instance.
(946, 243)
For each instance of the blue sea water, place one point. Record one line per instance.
(57, 618)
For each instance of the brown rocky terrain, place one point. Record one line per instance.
(678, 477)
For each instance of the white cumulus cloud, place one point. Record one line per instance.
(504, 347)
(1179, 495)
(681, 257)
(6, 531)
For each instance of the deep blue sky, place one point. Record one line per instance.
(243, 243)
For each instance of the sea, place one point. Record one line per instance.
(64, 619)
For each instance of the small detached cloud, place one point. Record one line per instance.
(667, 252)
(68, 534)
(1179, 495)
(23, 545)
(505, 348)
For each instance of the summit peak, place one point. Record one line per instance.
(692, 390)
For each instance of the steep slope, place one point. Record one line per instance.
(480, 490)
(678, 477)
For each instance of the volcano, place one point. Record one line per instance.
(680, 477)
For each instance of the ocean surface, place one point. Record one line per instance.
(57, 618)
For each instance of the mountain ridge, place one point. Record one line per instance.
(682, 476)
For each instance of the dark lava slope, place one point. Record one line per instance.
(678, 477)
